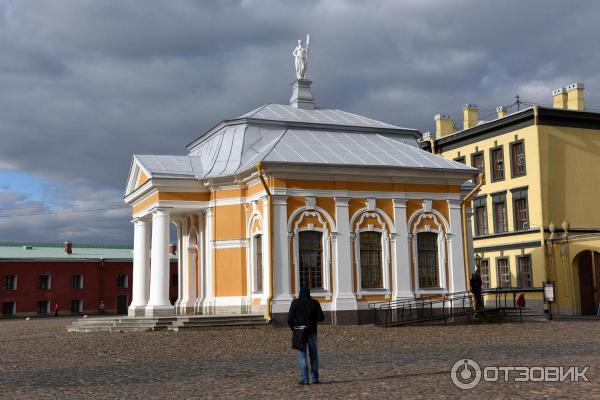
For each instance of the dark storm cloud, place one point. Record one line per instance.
(85, 84)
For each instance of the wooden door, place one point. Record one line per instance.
(586, 284)
(122, 304)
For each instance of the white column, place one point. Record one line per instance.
(189, 251)
(282, 297)
(158, 303)
(401, 280)
(208, 303)
(141, 260)
(456, 260)
(343, 288)
(181, 229)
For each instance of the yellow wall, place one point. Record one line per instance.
(230, 271)
(230, 222)
(570, 179)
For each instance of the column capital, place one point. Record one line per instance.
(160, 211)
(453, 203)
(341, 201)
(139, 221)
(279, 200)
(399, 202)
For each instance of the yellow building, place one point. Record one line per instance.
(536, 217)
(287, 196)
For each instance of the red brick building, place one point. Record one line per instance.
(37, 277)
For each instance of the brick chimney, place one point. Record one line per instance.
(172, 249)
(68, 247)
(575, 97)
(559, 98)
(444, 125)
(470, 116)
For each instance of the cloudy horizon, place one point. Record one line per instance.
(87, 84)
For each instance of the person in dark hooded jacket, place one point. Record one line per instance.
(306, 311)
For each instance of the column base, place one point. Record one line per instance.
(159, 311)
(281, 304)
(136, 311)
(403, 296)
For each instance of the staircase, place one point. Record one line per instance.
(174, 323)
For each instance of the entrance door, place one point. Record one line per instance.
(586, 284)
(121, 304)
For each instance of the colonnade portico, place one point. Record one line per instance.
(151, 263)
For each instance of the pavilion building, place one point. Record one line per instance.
(295, 195)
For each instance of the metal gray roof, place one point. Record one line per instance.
(330, 116)
(237, 148)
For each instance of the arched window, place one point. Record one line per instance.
(310, 267)
(371, 272)
(427, 249)
(258, 264)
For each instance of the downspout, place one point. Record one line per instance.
(463, 207)
(259, 167)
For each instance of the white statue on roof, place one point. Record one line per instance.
(300, 54)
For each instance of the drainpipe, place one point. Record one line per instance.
(259, 167)
(463, 207)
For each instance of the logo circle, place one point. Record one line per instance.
(465, 374)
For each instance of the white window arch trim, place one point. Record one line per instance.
(251, 264)
(326, 244)
(385, 249)
(440, 225)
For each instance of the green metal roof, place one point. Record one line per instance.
(53, 251)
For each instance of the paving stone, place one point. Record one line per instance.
(39, 359)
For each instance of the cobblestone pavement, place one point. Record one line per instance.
(40, 360)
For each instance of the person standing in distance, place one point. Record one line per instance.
(306, 311)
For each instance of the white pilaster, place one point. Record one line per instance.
(281, 258)
(343, 287)
(401, 253)
(141, 260)
(266, 248)
(158, 303)
(456, 261)
(201, 268)
(189, 267)
(208, 303)
(470, 241)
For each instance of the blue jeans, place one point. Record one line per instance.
(314, 360)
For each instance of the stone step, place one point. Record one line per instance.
(130, 324)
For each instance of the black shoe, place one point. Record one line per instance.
(316, 382)
(303, 383)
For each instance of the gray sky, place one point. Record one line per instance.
(86, 84)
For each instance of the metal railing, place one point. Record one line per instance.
(406, 311)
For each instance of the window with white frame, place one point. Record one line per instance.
(77, 281)
(44, 282)
(524, 279)
(427, 255)
(503, 272)
(371, 265)
(484, 271)
(76, 306)
(258, 264)
(9, 282)
(8, 308)
(122, 281)
(43, 307)
(310, 252)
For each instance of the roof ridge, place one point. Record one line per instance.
(75, 245)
